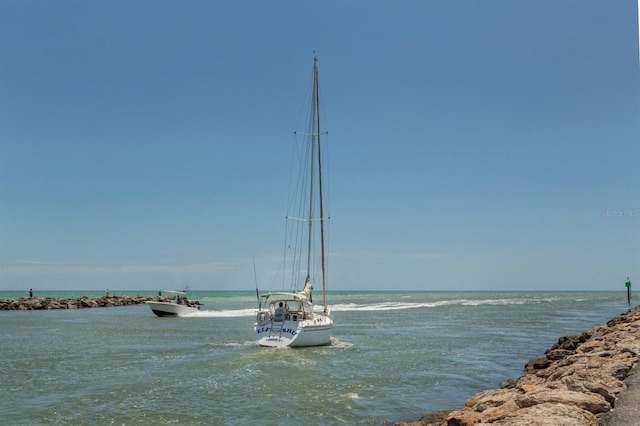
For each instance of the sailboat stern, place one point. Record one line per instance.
(275, 335)
(294, 332)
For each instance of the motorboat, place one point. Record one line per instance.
(173, 303)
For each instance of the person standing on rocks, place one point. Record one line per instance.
(31, 293)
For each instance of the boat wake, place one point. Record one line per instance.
(381, 306)
(394, 306)
(232, 313)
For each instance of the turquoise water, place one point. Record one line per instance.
(394, 357)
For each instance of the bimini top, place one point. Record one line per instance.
(304, 295)
(174, 293)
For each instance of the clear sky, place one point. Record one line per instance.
(475, 145)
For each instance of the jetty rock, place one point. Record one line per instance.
(577, 382)
(40, 303)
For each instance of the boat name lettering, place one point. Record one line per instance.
(289, 330)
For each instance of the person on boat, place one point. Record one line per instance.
(280, 311)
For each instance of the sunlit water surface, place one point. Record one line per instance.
(394, 357)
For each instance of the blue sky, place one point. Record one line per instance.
(474, 145)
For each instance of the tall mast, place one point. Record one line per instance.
(314, 134)
(315, 149)
(317, 98)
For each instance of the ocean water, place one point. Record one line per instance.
(394, 357)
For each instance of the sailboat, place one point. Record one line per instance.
(290, 318)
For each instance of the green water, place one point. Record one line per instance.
(394, 357)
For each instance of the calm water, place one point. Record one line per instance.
(394, 357)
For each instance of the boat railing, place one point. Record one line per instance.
(262, 316)
(265, 316)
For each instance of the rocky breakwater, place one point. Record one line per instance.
(38, 303)
(576, 380)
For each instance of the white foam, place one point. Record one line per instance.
(393, 306)
(363, 307)
(206, 313)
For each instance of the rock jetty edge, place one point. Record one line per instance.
(578, 382)
(40, 303)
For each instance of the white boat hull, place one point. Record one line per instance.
(168, 309)
(310, 332)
